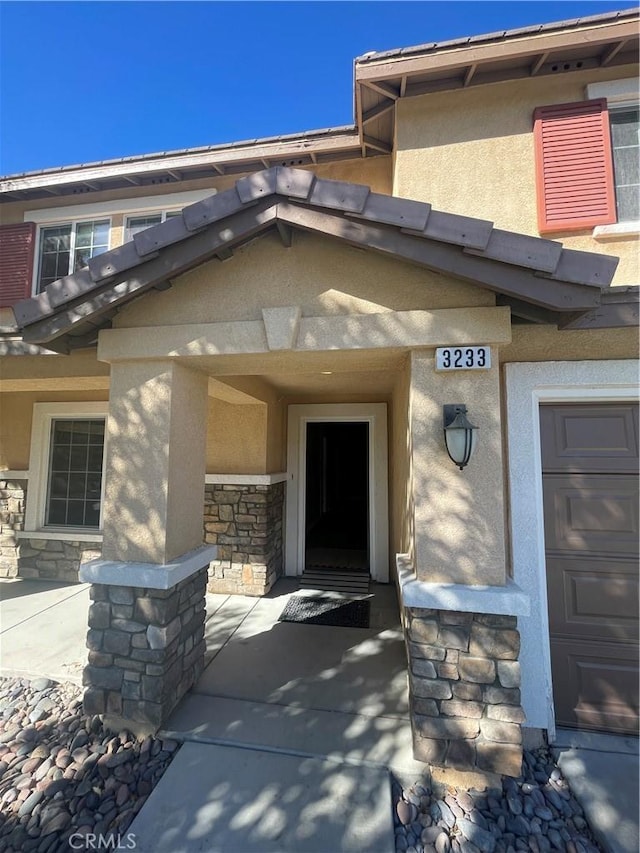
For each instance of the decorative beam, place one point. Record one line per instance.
(382, 89)
(613, 51)
(378, 144)
(286, 234)
(471, 70)
(539, 62)
(376, 112)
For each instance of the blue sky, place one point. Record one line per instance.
(88, 81)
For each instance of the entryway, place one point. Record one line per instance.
(337, 508)
(336, 551)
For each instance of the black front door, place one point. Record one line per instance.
(337, 496)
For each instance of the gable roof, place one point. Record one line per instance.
(538, 278)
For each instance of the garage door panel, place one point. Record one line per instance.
(593, 597)
(591, 518)
(595, 685)
(589, 438)
(591, 513)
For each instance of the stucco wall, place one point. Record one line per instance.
(545, 343)
(322, 276)
(471, 152)
(236, 438)
(16, 411)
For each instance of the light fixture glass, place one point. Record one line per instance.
(459, 434)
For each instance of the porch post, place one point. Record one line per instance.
(146, 622)
(460, 608)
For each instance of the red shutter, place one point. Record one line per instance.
(17, 244)
(574, 166)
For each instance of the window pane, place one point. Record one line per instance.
(55, 243)
(75, 513)
(57, 512)
(92, 238)
(628, 202)
(58, 486)
(626, 162)
(136, 224)
(78, 460)
(77, 483)
(75, 472)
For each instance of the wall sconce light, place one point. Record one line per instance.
(459, 434)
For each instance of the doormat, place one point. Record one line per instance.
(322, 610)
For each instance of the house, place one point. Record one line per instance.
(210, 355)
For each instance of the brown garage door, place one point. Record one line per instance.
(590, 484)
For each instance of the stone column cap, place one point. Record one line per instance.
(507, 600)
(148, 575)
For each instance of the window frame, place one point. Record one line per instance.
(72, 246)
(40, 454)
(163, 214)
(620, 95)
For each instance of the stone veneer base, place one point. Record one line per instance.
(245, 520)
(146, 649)
(464, 689)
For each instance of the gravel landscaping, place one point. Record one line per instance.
(536, 812)
(62, 776)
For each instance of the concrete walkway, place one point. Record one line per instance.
(290, 734)
(602, 771)
(294, 728)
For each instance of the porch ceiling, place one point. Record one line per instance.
(525, 272)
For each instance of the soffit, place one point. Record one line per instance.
(532, 274)
(381, 79)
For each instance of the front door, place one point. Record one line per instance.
(337, 512)
(337, 497)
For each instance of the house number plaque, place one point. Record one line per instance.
(463, 358)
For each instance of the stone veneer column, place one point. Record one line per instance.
(464, 690)
(13, 495)
(146, 623)
(146, 649)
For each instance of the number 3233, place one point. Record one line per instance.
(463, 358)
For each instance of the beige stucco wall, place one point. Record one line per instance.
(459, 515)
(236, 438)
(155, 462)
(545, 343)
(320, 275)
(16, 412)
(471, 152)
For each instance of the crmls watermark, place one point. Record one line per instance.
(90, 841)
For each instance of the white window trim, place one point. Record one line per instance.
(74, 223)
(375, 414)
(145, 204)
(527, 386)
(43, 415)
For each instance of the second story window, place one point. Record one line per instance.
(136, 224)
(626, 162)
(63, 249)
